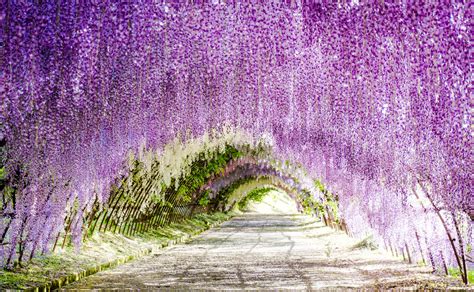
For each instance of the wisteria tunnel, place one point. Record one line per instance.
(125, 123)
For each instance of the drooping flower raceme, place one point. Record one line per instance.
(371, 99)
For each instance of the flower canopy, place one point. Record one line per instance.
(373, 100)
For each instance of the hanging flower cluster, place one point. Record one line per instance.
(371, 99)
(249, 167)
(258, 173)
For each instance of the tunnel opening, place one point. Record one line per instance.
(268, 200)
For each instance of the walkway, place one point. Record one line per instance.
(263, 251)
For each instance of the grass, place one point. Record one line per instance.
(455, 273)
(100, 249)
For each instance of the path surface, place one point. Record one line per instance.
(263, 251)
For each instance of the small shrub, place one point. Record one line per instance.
(367, 243)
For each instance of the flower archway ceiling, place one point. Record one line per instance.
(371, 99)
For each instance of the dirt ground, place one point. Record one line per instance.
(267, 251)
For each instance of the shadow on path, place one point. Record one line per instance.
(263, 251)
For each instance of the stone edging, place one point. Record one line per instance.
(68, 279)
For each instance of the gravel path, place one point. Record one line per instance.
(264, 251)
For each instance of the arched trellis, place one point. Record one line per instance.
(137, 207)
(134, 205)
(130, 218)
(242, 191)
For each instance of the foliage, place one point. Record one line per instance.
(224, 193)
(326, 204)
(312, 205)
(204, 199)
(329, 249)
(367, 242)
(455, 273)
(256, 195)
